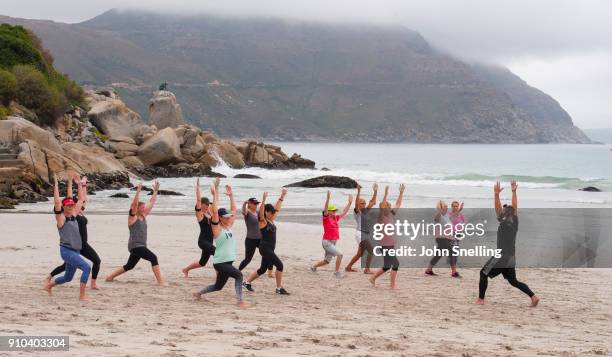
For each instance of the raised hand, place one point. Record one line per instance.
(283, 192)
(497, 188)
(228, 190)
(386, 190)
(375, 187)
(350, 199)
(139, 186)
(217, 181)
(265, 195)
(513, 185)
(156, 185)
(328, 195)
(84, 180)
(402, 187)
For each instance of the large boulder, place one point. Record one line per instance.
(114, 119)
(224, 151)
(164, 111)
(15, 130)
(131, 162)
(162, 148)
(326, 181)
(32, 155)
(92, 159)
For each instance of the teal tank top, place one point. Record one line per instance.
(225, 247)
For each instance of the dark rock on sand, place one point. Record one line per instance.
(325, 169)
(326, 181)
(247, 176)
(590, 189)
(119, 195)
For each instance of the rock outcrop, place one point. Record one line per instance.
(112, 117)
(164, 111)
(162, 148)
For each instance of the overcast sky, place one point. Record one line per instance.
(562, 47)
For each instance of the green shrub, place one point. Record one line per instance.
(4, 112)
(34, 92)
(8, 85)
(37, 85)
(98, 133)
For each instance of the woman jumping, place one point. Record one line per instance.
(225, 252)
(70, 238)
(269, 259)
(388, 241)
(87, 250)
(506, 241)
(331, 234)
(137, 243)
(362, 232)
(205, 240)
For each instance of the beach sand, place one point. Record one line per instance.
(323, 316)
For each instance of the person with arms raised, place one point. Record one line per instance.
(137, 242)
(70, 238)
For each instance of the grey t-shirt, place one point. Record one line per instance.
(70, 237)
(252, 224)
(138, 234)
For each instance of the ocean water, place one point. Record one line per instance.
(548, 175)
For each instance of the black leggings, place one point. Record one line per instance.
(250, 245)
(136, 254)
(208, 250)
(444, 245)
(89, 253)
(269, 259)
(390, 262)
(224, 272)
(508, 274)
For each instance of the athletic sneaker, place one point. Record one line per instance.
(281, 291)
(338, 275)
(248, 286)
(456, 275)
(430, 272)
(313, 269)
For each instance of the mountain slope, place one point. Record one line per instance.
(293, 80)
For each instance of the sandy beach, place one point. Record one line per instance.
(324, 316)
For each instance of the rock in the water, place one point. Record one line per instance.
(326, 181)
(119, 195)
(162, 148)
(164, 111)
(167, 193)
(590, 189)
(246, 176)
(325, 169)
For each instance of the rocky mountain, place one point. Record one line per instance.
(304, 81)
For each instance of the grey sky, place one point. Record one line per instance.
(562, 47)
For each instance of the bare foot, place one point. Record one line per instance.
(83, 298)
(368, 271)
(94, 285)
(185, 273)
(48, 287)
(534, 301)
(393, 287)
(372, 280)
(109, 279)
(162, 284)
(197, 296)
(350, 270)
(479, 301)
(243, 305)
